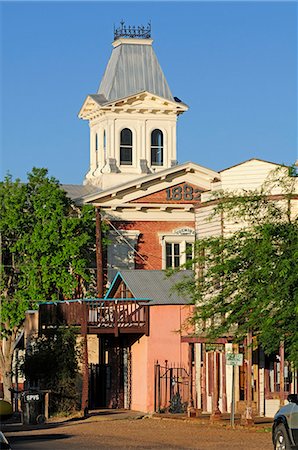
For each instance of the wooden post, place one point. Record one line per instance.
(282, 373)
(85, 368)
(204, 384)
(157, 408)
(99, 256)
(224, 383)
(216, 413)
(46, 405)
(247, 417)
(16, 379)
(190, 407)
(198, 376)
(233, 399)
(155, 387)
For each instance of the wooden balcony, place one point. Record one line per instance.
(102, 316)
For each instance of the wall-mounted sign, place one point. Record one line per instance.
(234, 359)
(32, 397)
(184, 231)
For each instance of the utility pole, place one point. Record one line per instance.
(99, 256)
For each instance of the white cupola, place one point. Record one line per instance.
(133, 115)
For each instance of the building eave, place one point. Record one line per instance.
(141, 183)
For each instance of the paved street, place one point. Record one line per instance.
(118, 433)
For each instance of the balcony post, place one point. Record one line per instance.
(85, 365)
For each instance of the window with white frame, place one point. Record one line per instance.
(96, 149)
(104, 145)
(177, 249)
(126, 147)
(156, 148)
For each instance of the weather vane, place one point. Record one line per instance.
(140, 32)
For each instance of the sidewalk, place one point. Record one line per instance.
(94, 416)
(204, 418)
(121, 414)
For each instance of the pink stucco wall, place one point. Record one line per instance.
(162, 344)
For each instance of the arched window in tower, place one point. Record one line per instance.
(126, 147)
(104, 145)
(96, 149)
(156, 148)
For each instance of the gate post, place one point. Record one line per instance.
(171, 384)
(190, 406)
(157, 387)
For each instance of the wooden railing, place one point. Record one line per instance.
(103, 316)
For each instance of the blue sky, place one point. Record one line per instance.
(233, 63)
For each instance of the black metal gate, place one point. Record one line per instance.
(171, 388)
(99, 382)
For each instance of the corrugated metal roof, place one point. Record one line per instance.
(76, 192)
(155, 285)
(99, 98)
(133, 68)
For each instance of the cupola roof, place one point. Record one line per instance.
(133, 67)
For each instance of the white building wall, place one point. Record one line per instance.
(141, 125)
(250, 175)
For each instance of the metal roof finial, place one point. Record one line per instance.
(139, 32)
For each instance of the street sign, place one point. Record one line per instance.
(234, 359)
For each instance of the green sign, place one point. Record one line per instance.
(234, 359)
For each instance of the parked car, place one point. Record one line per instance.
(4, 445)
(285, 425)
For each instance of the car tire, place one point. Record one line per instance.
(281, 438)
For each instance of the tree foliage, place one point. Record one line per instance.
(51, 363)
(47, 249)
(247, 280)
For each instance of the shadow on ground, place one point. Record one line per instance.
(9, 427)
(39, 437)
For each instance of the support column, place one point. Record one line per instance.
(85, 366)
(216, 413)
(190, 407)
(198, 375)
(261, 382)
(204, 384)
(247, 417)
(282, 374)
(224, 383)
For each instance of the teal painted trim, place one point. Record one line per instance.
(130, 299)
(86, 300)
(118, 274)
(78, 300)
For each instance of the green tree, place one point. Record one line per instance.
(248, 280)
(47, 246)
(52, 362)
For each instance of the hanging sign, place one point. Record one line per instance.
(234, 359)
